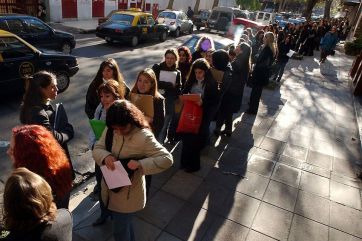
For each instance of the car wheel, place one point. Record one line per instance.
(134, 41)
(62, 81)
(198, 27)
(66, 48)
(191, 29)
(163, 36)
(177, 33)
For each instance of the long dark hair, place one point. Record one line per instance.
(123, 112)
(245, 59)
(117, 76)
(187, 52)
(198, 64)
(33, 96)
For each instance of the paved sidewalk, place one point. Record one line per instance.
(77, 26)
(288, 173)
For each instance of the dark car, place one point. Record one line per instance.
(200, 19)
(19, 59)
(219, 42)
(131, 26)
(37, 33)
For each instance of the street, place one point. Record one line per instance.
(90, 51)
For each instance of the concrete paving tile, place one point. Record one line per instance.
(313, 207)
(348, 150)
(314, 184)
(267, 154)
(299, 139)
(346, 195)
(320, 160)
(260, 165)
(349, 181)
(346, 132)
(223, 229)
(190, 223)
(233, 159)
(84, 163)
(272, 221)
(316, 170)
(167, 237)
(306, 229)
(295, 151)
(240, 208)
(281, 195)
(76, 237)
(339, 215)
(216, 176)
(160, 209)
(182, 184)
(86, 231)
(256, 236)
(291, 161)
(321, 146)
(304, 130)
(253, 185)
(344, 167)
(272, 145)
(287, 175)
(336, 235)
(145, 231)
(162, 178)
(278, 134)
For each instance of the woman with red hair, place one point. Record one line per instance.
(34, 147)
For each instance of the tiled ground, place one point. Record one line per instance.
(293, 171)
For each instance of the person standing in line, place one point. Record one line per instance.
(190, 13)
(127, 130)
(233, 93)
(107, 70)
(282, 58)
(328, 44)
(184, 63)
(261, 71)
(203, 45)
(29, 213)
(42, 11)
(34, 147)
(200, 81)
(108, 92)
(37, 108)
(169, 85)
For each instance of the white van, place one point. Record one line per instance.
(221, 17)
(265, 18)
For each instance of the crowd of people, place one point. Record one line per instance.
(209, 82)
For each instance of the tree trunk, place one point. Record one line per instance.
(170, 4)
(327, 9)
(308, 9)
(196, 8)
(281, 4)
(216, 3)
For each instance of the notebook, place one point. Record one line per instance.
(144, 103)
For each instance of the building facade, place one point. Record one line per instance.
(60, 10)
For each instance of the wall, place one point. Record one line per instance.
(84, 9)
(55, 10)
(109, 5)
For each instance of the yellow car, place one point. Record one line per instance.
(131, 26)
(19, 60)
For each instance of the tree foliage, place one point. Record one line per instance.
(249, 4)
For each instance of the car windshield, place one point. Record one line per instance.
(167, 15)
(214, 15)
(122, 18)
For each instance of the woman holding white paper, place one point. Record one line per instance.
(200, 82)
(128, 130)
(108, 92)
(169, 84)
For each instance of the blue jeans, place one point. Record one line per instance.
(123, 226)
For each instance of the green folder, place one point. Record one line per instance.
(98, 127)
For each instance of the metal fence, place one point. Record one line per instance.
(19, 6)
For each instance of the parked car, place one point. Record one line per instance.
(131, 26)
(37, 33)
(19, 59)
(177, 22)
(200, 19)
(104, 19)
(265, 17)
(222, 17)
(220, 42)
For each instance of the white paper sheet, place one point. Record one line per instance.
(290, 53)
(116, 178)
(168, 76)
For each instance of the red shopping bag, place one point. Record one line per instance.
(190, 119)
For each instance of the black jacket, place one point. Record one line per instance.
(283, 49)
(169, 89)
(262, 68)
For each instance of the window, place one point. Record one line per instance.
(122, 18)
(150, 20)
(214, 15)
(11, 47)
(170, 15)
(36, 26)
(260, 16)
(16, 26)
(142, 20)
(3, 25)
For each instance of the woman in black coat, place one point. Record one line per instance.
(233, 88)
(200, 82)
(261, 72)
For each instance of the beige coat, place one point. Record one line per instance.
(139, 143)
